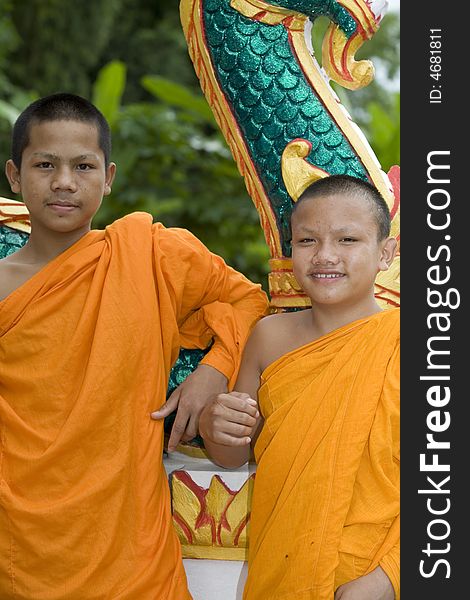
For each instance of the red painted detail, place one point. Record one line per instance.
(184, 477)
(387, 300)
(241, 527)
(394, 176)
(259, 16)
(302, 140)
(200, 493)
(344, 59)
(366, 18)
(383, 289)
(224, 524)
(203, 517)
(332, 56)
(287, 22)
(184, 526)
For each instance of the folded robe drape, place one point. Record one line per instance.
(326, 498)
(86, 346)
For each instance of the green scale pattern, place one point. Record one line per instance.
(325, 8)
(185, 364)
(271, 99)
(11, 241)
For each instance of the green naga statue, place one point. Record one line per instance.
(282, 120)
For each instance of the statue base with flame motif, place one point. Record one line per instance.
(211, 508)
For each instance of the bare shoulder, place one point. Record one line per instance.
(274, 325)
(7, 277)
(13, 273)
(275, 335)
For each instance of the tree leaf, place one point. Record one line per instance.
(177, 95)
(9, 112)
(109, 88)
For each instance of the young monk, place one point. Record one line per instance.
(325, 509)
(90, 325)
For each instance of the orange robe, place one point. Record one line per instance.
(326, 497)
(86, 346)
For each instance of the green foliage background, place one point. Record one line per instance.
(130, 58)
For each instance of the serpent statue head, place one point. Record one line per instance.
(282, 120)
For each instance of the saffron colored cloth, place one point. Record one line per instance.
(326, 497)
(86, 346)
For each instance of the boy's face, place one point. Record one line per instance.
(63, 177)
(335, 250)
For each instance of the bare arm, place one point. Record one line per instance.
(373, 586)
(231, 422)
(390, 563)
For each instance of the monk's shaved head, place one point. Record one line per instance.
(59, 107)
(350, 186)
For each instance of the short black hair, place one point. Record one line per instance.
(345, 184)
(59, 107)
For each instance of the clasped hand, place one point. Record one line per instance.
(229, 419)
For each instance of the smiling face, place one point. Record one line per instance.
(63, 177)
(336, 252)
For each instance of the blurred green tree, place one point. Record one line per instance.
(174, 164)
(130, 58)
(12, 98)
(61, 43)
(148, 38)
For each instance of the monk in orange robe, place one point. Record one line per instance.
(90, 325)
(318, 391)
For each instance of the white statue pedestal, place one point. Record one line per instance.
(214, 553)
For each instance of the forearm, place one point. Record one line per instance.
(227, 425)
(374, 586)
(390, 563)
(223, 433)
(226, 456)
